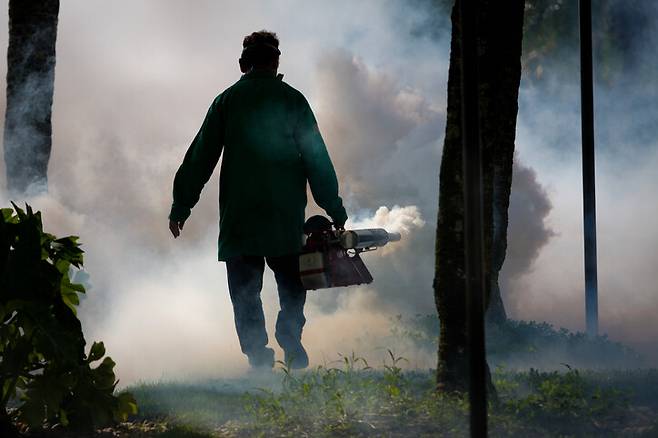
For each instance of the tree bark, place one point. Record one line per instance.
(500, 27)
(30, 84)
(502, 78)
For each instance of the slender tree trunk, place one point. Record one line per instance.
(502, 67)
(500, 33)
(449, 279)
(30, 83)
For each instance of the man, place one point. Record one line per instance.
(272, 147)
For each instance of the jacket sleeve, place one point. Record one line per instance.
(199, 163)
(317, 165)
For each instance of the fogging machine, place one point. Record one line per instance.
(331, 258)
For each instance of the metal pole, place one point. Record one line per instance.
(473, 232)
(589, 198)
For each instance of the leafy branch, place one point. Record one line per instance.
(43, 364)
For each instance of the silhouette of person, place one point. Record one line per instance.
(272, 147)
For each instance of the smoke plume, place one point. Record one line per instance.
(134, 80)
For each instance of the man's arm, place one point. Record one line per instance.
(198, 165)
(319, 169)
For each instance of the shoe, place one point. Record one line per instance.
(263, 359)
(297, 358)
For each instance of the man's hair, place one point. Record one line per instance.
(260, 50)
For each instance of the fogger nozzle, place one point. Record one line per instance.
(367, 238)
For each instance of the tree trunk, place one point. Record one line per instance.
(500, 33)
(502, 77)
(30, 83)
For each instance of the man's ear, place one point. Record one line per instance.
(244, 68)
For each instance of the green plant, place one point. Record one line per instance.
(307, 403)
(566, 401)
(524, 344)
(43, 365)
(353, 399)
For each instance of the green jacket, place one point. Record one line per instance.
(272, 147)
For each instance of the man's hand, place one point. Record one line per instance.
(176, 227)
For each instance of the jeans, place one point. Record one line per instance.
(245, 281)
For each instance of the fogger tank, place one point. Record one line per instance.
(331, 258)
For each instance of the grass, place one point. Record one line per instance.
(354, 399)
(553, 383)
(205, 405)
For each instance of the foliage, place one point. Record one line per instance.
(42, 357)
(529, 343)
(524, 344)
(204, 404)
(353, 399)
(551, 37)
(350, 398)
(565, 402)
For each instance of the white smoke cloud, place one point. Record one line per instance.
(548, 138)
(128, 99)
(397, 219)
(132, 86)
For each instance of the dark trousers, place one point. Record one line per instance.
(245, 281)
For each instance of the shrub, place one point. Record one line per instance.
(524, 344)
(43, 365)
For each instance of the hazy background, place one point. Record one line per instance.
(134, 80)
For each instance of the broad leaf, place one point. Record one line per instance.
(96, 352)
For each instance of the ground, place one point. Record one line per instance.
(353, 399)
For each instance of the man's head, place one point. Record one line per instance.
(260, 51)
